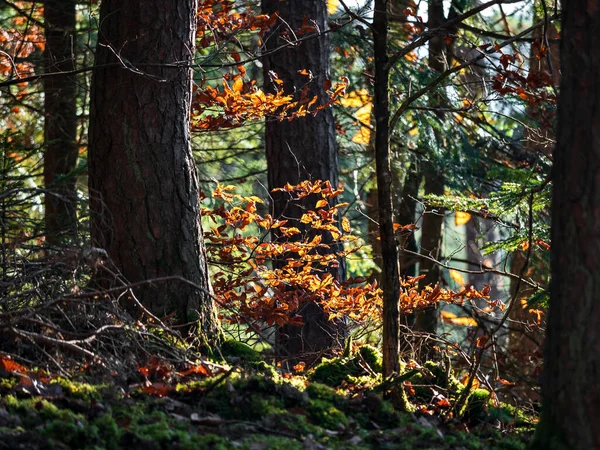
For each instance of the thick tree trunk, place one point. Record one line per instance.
(60, 125)
(143, 184)
(571, 392)
(304, 148)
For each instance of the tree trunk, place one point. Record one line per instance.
(431, 246)
(571, 393)
(407, 215)
(143, 184)
(60, 123)
(304, 148)
(431, 228)
(389, 246)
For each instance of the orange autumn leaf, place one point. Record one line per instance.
(346, 225)
(465, 381)
(538, 313)
(10, 366)
(443, 403)
(504, 382)
(448, 317)
(461, 218)
(457, 277)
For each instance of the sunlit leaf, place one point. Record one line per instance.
(332, 6)
(346, 224)
(461, 218)
(457, 277)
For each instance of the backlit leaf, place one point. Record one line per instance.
(332, 6)
(461, 218)
(346, 225)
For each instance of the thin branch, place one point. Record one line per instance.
(407, 103)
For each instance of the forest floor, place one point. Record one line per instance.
(244, 403)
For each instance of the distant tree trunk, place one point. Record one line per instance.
(408, 262)
(60, 124)
(431, 246)
(431, 228)
(571, 393)
(304, 148)
(406, 215)
(143, 184)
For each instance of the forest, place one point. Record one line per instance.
(299, 224)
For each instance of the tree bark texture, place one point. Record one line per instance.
(304, 148)
(143, 184)
(571, 392)
(389, 247)
(60, 123)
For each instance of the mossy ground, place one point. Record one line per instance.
(246, 408)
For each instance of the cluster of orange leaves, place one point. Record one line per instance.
(19, 43)
(412, 298)
(238, 243)
(235, 105)
(257, 292)
(218, 21)
(532, 88)
(240, 100)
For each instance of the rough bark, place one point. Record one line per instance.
(60, 123)
(389, 247)
(571, 393)
(143, 184)
(304, 148)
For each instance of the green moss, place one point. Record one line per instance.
(324, 414)
(348, 348)
(240, 350)
(107, 429)
(443, 378)
(252, 398)
(333, 372)
(509, 414)
(477, 404)
(264, 368)
(271, 443)
(154, 427)
(321, 391)
(34, 411)
(372, 357)
(380, 412)
(74, 433)
(80, 390)
(9, 382)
